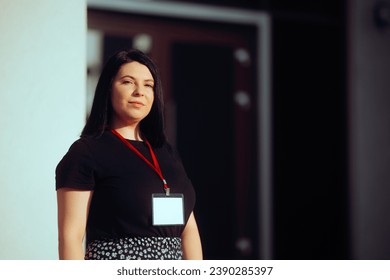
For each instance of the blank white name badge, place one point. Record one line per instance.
(168, 210)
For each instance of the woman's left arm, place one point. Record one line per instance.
(192, 246)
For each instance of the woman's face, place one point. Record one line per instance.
(132, 93)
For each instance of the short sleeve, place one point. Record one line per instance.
(77, 168)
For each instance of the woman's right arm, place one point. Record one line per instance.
(73, 207)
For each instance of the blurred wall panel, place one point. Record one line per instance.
(42, 110)
(369, 131)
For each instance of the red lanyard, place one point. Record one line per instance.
(155, 166)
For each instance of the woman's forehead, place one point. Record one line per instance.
(135, 70)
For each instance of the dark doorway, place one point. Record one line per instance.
(203, 91)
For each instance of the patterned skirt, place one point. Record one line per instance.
(135, 248)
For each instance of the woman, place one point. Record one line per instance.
(109, 182)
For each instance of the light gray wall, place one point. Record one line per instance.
(42, 110)
(369, 120)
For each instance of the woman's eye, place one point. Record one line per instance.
(149, 85)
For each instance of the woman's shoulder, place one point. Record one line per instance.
(85, 145)
(79, 148)
(93, 141)
(171, 150)
(82, 143)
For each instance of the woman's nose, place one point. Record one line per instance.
(138, 91)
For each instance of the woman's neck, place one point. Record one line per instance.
(131, 132)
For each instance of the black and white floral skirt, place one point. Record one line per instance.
(135, 248)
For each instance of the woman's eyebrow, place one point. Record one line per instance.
(127, 76)
(131, 77)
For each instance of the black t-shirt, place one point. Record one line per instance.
(123, 185)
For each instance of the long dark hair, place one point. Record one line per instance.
(99, 120)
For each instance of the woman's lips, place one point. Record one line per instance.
(137, 103)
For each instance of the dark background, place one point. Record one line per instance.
(324, 196)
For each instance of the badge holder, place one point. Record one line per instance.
(168, 210)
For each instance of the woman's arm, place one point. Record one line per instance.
(73, 206)
(192, 246)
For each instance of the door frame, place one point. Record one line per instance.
(262, 22)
